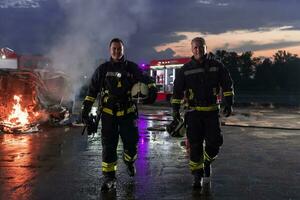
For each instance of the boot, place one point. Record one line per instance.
(197, 183)
(207, 169)
(108, 184)
(130, 168)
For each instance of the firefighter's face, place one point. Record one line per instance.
(198, 49)
(116, 50)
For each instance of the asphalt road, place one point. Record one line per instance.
(255, 162)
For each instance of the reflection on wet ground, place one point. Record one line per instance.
(17, 167)
(60, 163)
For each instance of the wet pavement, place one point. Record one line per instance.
(259, 160)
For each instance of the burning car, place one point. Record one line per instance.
(31, 96)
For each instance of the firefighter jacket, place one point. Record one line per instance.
(200, 84)
(113, 81)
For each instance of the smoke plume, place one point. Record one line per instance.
(90, 25)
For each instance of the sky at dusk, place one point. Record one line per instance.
(76, 32)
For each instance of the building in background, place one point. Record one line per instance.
(164, 72)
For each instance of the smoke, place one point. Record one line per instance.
(89, 27)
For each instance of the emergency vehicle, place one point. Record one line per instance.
(9, 59)
(164, 71)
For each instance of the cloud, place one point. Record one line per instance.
(167, 53)
(20, 3)
(239, 40)
(31, 30)
(204, 1)
(223, 4)
(213, 18)
(143, 46)
(82, 27)
(213, 2)
(253, 46)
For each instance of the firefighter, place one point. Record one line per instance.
(201, 80)
(113, 80)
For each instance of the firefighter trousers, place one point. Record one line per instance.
(112, 128)
(204, 136)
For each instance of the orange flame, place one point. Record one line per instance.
(18, 116)
(20, 119)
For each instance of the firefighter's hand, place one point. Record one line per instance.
(227, 110)
(92, 125)
(85, 111)
(85, 116)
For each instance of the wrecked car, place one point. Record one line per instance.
(30, 97)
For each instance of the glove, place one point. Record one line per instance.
(227, 110)
(92, 125)
(85, 111)
(228, 106)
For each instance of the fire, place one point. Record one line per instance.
(18, 119)
(18, 116)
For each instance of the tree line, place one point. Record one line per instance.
(279, 74)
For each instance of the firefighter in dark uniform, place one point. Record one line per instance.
(113, 80)
(201, 81)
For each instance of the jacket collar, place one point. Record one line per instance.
(194, 61)
(121, 60)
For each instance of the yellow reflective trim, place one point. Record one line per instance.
(89, 98)
(120, 112)
(119, 84)
(196, 165)
(109, 167)
(108, 111)
(131, 109)
(191, 94)
(208, 158)
(208, 108)
(129, 158)
(105, 99)
(193, 163)
(228, 93)
(176, 101)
